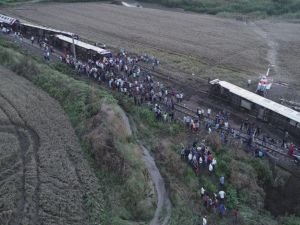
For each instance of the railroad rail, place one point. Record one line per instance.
(275, 152)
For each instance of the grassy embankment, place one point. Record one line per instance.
(128, 193)
(245, 176)
(252, 8)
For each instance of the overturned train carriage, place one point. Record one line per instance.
(83, 50)
(28, 29)
(263, 109)
(10, 22)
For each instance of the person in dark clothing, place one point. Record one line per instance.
(236, 213)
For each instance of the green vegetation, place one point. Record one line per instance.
(254, 7)
(95, 115)
(245, 176)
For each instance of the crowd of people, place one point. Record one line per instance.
(201, 159)
(125, 74)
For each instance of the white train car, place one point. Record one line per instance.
(262, 108)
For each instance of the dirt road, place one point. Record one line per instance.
(44, 176)
(163, 210)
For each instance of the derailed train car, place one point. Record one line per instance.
(42, 32)
(9, 22)
(84, 51)
(262, 108)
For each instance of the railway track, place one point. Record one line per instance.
(270, 148)
(275, 152)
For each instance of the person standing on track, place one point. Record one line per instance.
(32, 39)
(285, 139)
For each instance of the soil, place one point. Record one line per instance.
(163, 203)
(44, 176)
(207, 38)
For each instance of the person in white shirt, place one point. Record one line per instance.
(210, 168)
(165, 116)
(202, 192)
(209, 130)
(208, 112)
(200, 161)
(222, 194)
(214, 162)
(204, 221)
(190, 156)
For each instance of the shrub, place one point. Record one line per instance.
(263, 170)
(214, 142)
(147, 117)
(208, 184)
(290, 220)
(232, 197)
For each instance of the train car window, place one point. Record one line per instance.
(293, 123)
(246, 104)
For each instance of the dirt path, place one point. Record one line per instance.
(163, 210)
(280, 77)
(272, 44)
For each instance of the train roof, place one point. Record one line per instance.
(48, 29)
(259, 100)
(7, 19)
(84, 45)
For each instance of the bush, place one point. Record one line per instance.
(214, 142)
(63, 68)
(208, 184)
(232, 197)
(263, 170)
(147, 116)
(290, 220)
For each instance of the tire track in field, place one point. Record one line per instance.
(27, 137)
